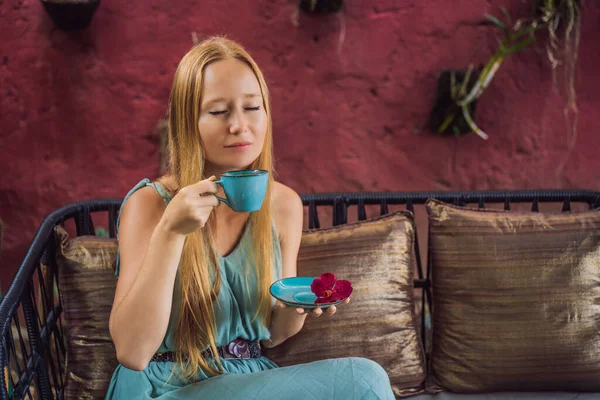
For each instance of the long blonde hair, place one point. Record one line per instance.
(199, 265)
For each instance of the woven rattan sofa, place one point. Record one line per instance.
(50, 318)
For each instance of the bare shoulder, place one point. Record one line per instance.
(140, 214)
(288, 211)
(285, 200)
(168, 182)
(145, 202)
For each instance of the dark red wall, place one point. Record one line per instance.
(351, 93)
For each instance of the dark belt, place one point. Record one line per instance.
(237, 349)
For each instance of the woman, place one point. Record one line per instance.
(192, 307)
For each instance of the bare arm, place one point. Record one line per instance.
(150, 243)
(289, 214)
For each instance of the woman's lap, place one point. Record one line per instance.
(335, 379)
(332, 379)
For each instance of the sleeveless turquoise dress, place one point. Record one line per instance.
(245, 379)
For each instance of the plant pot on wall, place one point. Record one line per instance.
(321, 6)
(70, 15)
(446, 116)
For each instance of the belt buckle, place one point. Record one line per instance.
(238, 348)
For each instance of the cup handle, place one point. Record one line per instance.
(221, 199)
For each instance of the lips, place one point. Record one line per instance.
(239, 145)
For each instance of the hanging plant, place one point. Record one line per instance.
(453, 110)
(563, 22)
(70, 15)
(447, 116)
(321, 6)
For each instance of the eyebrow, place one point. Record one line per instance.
(246, 95)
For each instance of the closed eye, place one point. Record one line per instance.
(221, 112)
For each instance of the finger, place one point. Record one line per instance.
(317, 312)
(208, 200)
(300, 310)
(279, 304)
(347, 300)
(210, 187)
(213, 201)
(205, 186)
(331, 310)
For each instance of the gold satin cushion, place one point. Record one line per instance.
(379, 323)
(87, 283)
(516, 300)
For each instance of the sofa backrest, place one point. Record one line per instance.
(32, 317)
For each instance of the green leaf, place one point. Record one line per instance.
(499, 40)
(527, 31)
(521, 45)
(100, 231)
(505, 11)
(496, 21)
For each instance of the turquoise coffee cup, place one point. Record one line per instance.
(244, 190)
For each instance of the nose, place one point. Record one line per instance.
(238, 122)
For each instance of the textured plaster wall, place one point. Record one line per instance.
(351, 93)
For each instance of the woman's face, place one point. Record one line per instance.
(233, 122)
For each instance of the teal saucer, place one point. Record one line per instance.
(295, 292)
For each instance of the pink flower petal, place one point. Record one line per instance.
(328, 280)
(318, 288)
(334, 297)
(343, 289)
(323, 283)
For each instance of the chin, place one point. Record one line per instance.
(237, 165)
(234, 160)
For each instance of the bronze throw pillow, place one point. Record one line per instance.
(376, 256)
(87, 284)
(516, 300)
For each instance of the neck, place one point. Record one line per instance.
(210, 170)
